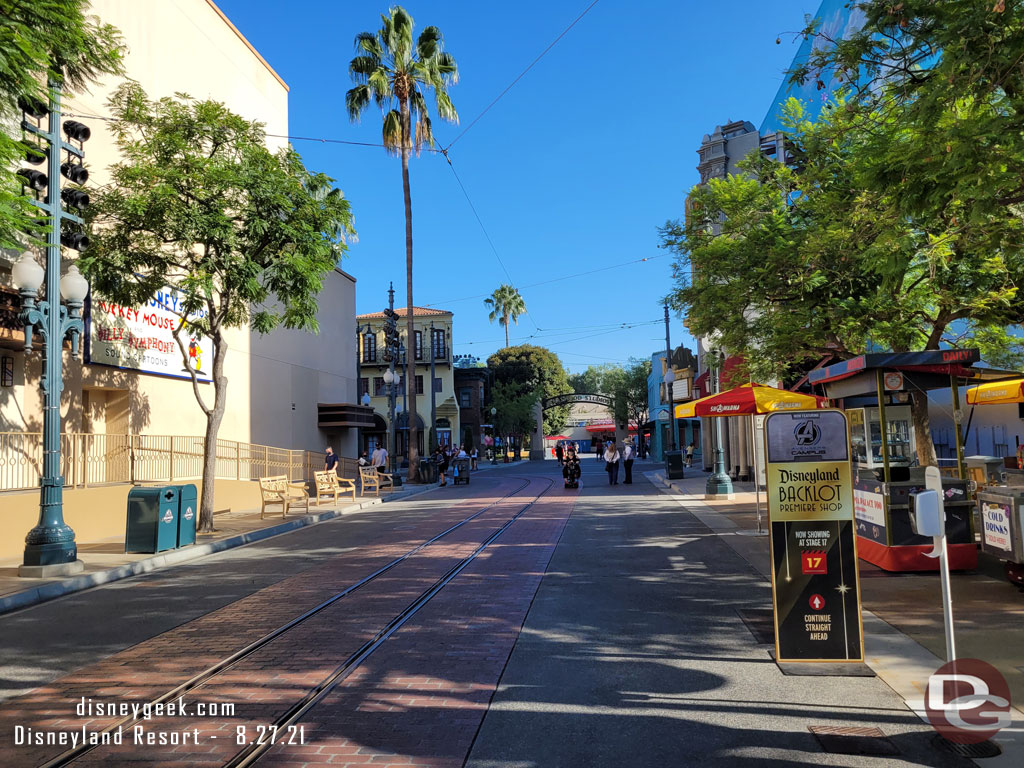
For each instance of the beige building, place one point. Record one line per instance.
(289, 390)
(433, 333)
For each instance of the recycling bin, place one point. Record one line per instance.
(152, 524)
(674, 464)
(188, 514)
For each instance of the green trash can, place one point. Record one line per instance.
(188, 514)
(152, 524)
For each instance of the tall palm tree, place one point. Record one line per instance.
(393, 72)
(506, 304)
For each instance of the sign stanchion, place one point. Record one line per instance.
(815, 581)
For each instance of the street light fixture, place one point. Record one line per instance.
(494, 448)
(719, 484)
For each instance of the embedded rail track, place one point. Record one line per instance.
(252, 752)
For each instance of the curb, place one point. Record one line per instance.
(53, 590)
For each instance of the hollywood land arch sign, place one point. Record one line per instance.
(537, 439)
(569, 399)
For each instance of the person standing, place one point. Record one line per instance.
(473, 457)
(598, 448)
(689, 455)
(442, 465)
(628, 454)
(330, 460)
(611, 463)
(559, 452)
(379, 459)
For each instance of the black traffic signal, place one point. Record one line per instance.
(36, 180)
(77, 240)
(75, 198)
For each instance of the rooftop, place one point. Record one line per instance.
(401, 312)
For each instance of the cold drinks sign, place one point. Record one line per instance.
(142, 338)
(815, 586)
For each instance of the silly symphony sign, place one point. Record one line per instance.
(142, 338)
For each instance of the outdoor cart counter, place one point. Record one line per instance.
(885, 475)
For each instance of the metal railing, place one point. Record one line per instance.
(100, 459)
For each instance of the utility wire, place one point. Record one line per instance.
(520, 75)
(484, 229)
(320, 140)
(553, 280)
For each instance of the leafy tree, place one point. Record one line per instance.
(628, 387)
(506, 304)
(948, 72)
(43, 41)
(593, 380)
(394, 73)
(199, 203)
(791, 262)
(522, 376)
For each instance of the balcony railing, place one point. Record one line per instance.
(99, 459)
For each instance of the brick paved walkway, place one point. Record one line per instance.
(264, 685)
(150, 668)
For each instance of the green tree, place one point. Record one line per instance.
(200, 204)
(394, 73)
(43, 41)
(628, 387)
(522, 376)
(593, 380)
(790, 262)
(506, 304)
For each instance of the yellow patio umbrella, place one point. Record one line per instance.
(997, 393)
(747, 399)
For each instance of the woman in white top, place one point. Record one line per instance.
(611, 463)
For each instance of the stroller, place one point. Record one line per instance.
(571, 471)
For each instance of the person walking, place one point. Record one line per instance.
(571, 469)
(689, 455)
(611, 463)
(473, 457)
(441, 458)
(598, 448)
(559, 452)
(628, 454)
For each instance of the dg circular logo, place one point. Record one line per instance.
(967, 701)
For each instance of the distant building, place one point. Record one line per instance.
(433, 335)
(472, 390)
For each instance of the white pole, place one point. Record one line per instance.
(757, 484)
(933, 481)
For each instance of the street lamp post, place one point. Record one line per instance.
(494, 447)
(719, 484)
(389, 381)
(433, 398)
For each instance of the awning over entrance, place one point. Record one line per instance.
(997, 393)
(338, 415)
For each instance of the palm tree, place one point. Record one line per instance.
(394, 73)
(506, 304)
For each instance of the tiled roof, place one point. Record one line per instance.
(401, 312)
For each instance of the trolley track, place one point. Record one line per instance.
(251, 753)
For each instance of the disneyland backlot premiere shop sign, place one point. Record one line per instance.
(142, 338)
(815, 585)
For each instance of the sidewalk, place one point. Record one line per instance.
(106, 561)
(903, 627)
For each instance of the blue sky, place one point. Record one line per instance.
(571, 172)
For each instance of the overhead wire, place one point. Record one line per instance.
(520, 75)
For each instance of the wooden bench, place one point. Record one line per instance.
(280, 490)
(371, 479)
(328, 484)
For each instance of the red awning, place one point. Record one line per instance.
(700, 385)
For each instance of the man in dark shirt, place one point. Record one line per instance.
(330, 460)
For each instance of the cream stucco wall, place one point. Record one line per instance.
(445, 400)
(188, 46)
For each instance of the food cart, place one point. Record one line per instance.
(1001, 506)
(882, 444)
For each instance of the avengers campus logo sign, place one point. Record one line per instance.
(967, 701)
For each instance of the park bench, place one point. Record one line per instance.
(280, 490)
(328, 484)
(371, 479)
